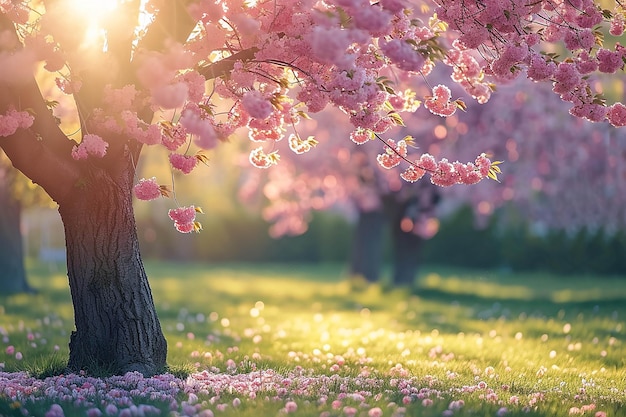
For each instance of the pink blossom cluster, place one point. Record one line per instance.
(183, 163)
(265, 67)
(147, 189)
(511, 36)
(439, 103)
(467, 72)
(260, 159)
(91, 145)
(184, 218)
(442, 173)
(299, 145)
(394, 154)
(445, 173)
(13, 120)
(256, 105)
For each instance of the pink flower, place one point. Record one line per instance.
(540, 69)
(439, 103)
(566, 77)
(412, 173)
(372, 19)
(456, 405)
(393, 154)
(173, 136)
(55, 411)
(10, 350)
(170, 96)
(291, 407)
(13, 120)
(260, 159)
(184, 218)
(256, 105)
(349, 411)
(427, 162)
(403, 55)
(150, 136)
(92, 145)
(299, 145)
(184, 163)
(329, 45)
(617, 24)
(375, 412)
(118, 99)
(147, 189)
(609, 61)
(94, 412)
(617, 115)
(360, 136)
(197, 123)
(583, 39)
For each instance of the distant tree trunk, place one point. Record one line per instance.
(12, 270)
(367, 247)
(406, 245)
(117, 329)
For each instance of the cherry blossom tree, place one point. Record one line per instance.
(186, 74)
(344, 177)
(561, 174)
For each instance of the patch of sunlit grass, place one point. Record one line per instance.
(467, 344)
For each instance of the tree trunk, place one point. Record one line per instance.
(406, 245)
(367, 247)
(406, 253)
(117, 329)
(12, 270)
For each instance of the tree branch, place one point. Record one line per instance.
(44, 142)
(171, 23)
(42, 152)
(224, 66)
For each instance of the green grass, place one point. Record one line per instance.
(524, 336)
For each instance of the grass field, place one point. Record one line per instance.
(263, 340)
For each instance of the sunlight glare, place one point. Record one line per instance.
(94, 9)
(94, 13)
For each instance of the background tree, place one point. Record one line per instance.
(13, 277)
(138, 73)
(561, 174)
(345, 177)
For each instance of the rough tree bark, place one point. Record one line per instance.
(117, 328)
